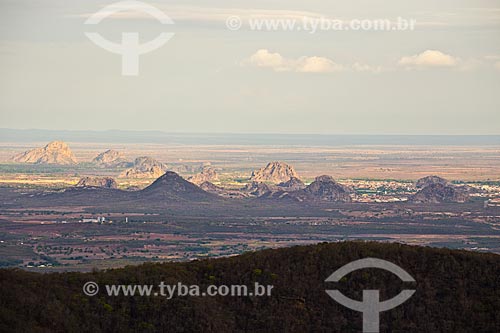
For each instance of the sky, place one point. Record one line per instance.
(442, 77)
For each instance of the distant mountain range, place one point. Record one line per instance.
(171, 190)
(277, 180)
(119, 136)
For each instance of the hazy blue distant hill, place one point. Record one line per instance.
(119, 136)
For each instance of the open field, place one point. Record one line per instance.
(55, 238)
(42, 228)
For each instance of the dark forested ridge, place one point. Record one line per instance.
(456, 291)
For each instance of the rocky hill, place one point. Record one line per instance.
(145, 167)
(274, 172)
(211, 188)
(324, 188)
(56, 152)
(456, 291)
(294, 184)
(171, 186)
(258, 189)
(103, 182)
(429, 180)
(208, 174)
(111, 159)
(222, 192)
(438, 193)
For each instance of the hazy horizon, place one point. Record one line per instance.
(309, 139)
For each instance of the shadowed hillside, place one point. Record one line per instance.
(174, 187)
(456, 291)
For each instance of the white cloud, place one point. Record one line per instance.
(429, 59)
(209, 14)
(493, 60)
(193, 13)
(263, 58)
(317, 65)
(275, 61)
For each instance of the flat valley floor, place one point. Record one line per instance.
(48, 235)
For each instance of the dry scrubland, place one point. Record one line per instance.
(40, 232)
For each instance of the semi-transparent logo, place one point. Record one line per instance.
(130, 48)
(371, 306)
